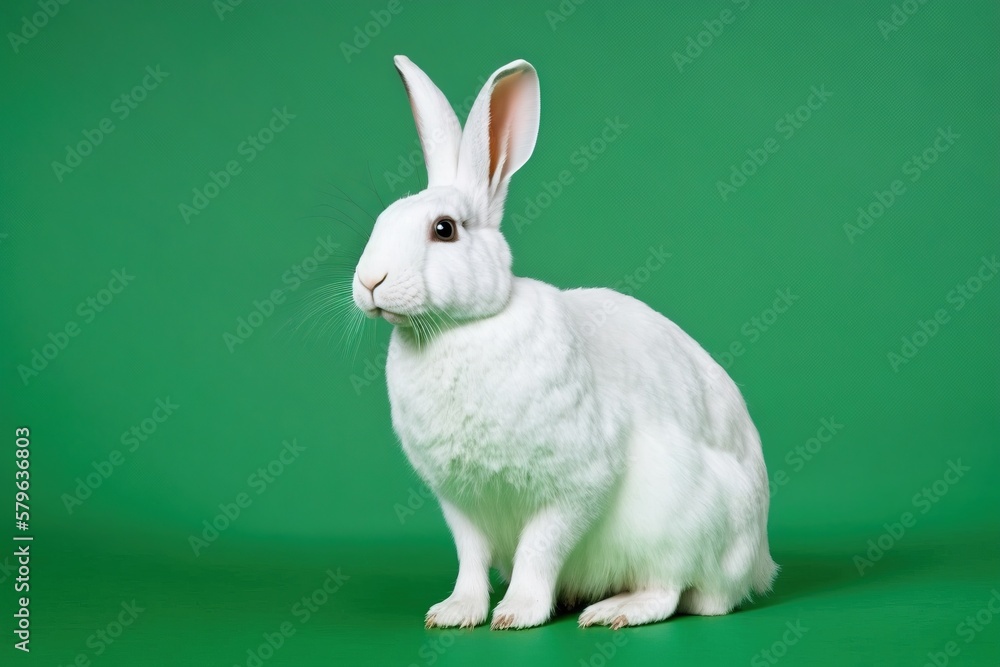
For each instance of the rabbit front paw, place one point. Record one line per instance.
(457, 611)
(520, 612)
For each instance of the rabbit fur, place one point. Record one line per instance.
(608, 461)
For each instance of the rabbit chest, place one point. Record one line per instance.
(495, 407)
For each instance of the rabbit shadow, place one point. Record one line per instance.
(819, 569)
(830, 568)
(804, 574)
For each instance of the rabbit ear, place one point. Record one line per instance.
(501, 130)
(437, 126)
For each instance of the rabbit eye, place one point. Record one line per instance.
(444, 230)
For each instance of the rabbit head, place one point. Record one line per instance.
(440, 251)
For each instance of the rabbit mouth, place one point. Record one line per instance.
(389, 316)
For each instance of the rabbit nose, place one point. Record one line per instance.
(370, 284)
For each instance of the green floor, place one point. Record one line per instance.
(222, 608)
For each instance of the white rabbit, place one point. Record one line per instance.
(608, 463)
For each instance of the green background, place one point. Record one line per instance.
(349, 501)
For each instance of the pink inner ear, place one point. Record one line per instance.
(502, 101)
